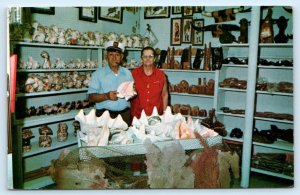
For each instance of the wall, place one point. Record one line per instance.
(68, 17)
(161, 27)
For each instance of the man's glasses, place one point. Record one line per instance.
(147, 56)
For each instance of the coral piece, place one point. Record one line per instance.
(78, 169)
(205, 166)
(166, 168)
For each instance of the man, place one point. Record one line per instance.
(105, 81)
(151, 86)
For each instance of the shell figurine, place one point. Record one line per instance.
(62, 132)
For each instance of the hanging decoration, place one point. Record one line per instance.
(226, 14)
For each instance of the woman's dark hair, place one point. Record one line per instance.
(147, 48)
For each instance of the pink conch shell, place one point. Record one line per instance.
(126, 90)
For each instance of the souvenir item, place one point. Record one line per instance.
(62, 132)
(26, 136)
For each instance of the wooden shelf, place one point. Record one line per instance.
(272, 173)
(279, 144)
(44, 119)
(35, 149)
(38, 183)
(31, 44)
(55, 70)
(188, 71)
(232, 89)
(274, 120)
(191, 95)
(229, 114)
(235, 45)
(276, 67)
(43, 93)
(274, 93)
(276, 45)
(235, 65)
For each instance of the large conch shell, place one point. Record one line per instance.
(95, 131)
(126, 90)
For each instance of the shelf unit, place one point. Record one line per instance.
(28, 161)
(206, 102)
(256, 100)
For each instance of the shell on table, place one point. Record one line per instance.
(95, 131)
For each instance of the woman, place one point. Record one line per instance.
(151, 86)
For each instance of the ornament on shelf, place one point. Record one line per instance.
(27, 135)
(62, 132)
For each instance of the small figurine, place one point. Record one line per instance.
(45, 141)
(281, 37)
(62, 132)
(47, 62)
(26, 136)
(267, 32)
(76, 125)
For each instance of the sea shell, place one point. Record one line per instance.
(126, 90)
(95, 131)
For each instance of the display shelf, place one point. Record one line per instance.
(191, 95)
(55, 70)
(279, 144)
(139, 149)
(273, 120)
(235, 65)
(232, 89)
(189, 71)
(289, 45)
(274, 93)
(275, 67)
(35, 149)
(232, 138)
(43, 119)
(133, 49)
(195, 117)
(31, 44)
(235, 45)
(272, 173)
(43, 93)
(38, 183)
(229, 114)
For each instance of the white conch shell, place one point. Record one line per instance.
(95, 131)
(126, 90)
(118, 123)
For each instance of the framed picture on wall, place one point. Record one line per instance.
(88, 14)
(187, 11)
(187, 30)
(198, 9)
(112, 14)
(175, 38)
(43, 10)
(176, 10)
(198, 36)
(156, 12)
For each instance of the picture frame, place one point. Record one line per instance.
(187, 11)
(43, 10)
(176, 10)
(88, 14)
(198, 36)
(187, 30)
(198, 9)
(175, 38)
(156, 12)
(111, 14)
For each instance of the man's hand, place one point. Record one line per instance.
(112, 95)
